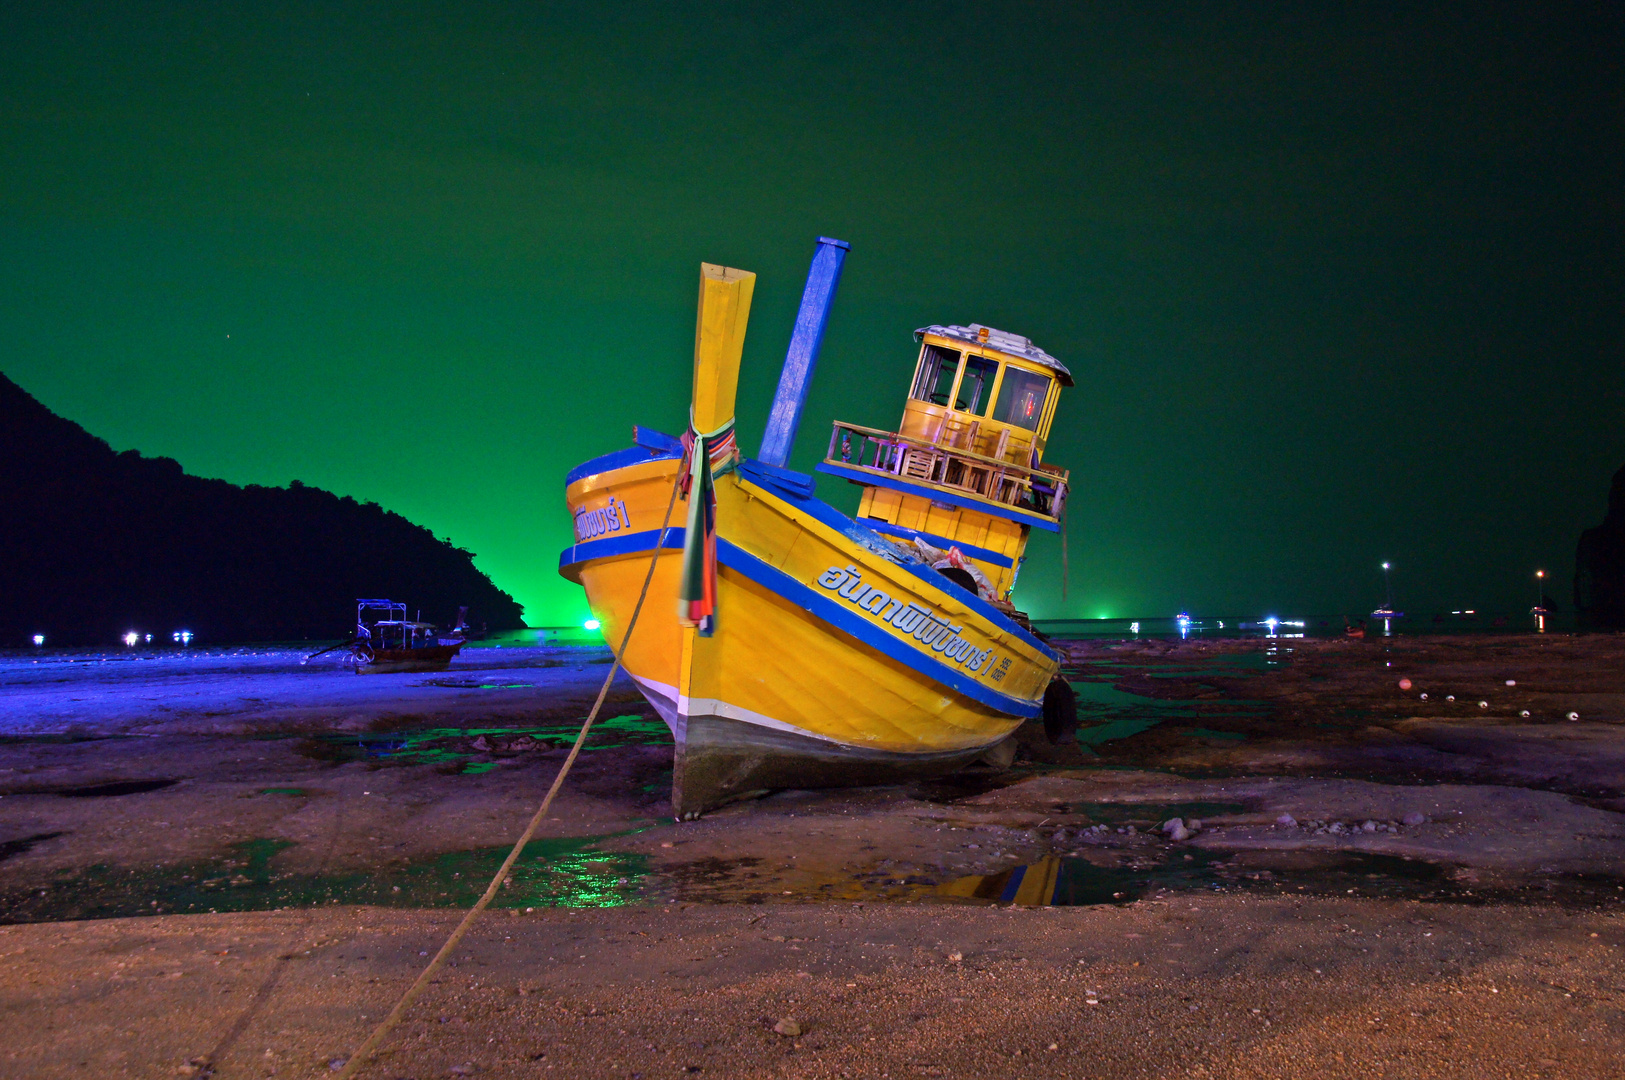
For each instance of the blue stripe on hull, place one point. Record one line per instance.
(850, 622)
(936, 494)
(797, 490)
(630, 544)
(620, 459)
(756, 473)
(842, 618)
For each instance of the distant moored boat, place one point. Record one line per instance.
(395, 643)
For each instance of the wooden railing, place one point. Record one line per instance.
(1041, 490)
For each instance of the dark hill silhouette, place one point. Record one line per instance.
(95, 543)
(1599, 566)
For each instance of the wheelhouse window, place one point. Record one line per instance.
(1021, 398)
(938, 369)
(976, 388)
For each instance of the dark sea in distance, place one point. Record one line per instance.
(1260, 626)
(1211, 628)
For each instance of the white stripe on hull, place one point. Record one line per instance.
(675, 710)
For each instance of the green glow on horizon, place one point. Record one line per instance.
(1316, 276)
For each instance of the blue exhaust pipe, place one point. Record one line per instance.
(801, 359)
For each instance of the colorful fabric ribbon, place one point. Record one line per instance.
(705, 457)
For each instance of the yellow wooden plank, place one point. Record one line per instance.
(719, 339)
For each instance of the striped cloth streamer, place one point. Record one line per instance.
(697, 584)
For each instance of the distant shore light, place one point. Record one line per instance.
(131, 638)
(39, 639)
(591, 624)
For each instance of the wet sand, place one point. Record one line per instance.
(294, 836)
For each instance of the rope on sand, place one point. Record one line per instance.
(353, 1066)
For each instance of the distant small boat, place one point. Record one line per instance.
(395, 643)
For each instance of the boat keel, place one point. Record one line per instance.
(719, 759)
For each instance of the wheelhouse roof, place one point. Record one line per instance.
(1000, 341)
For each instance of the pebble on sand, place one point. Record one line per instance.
(1286, 819)
(1574, 716)
(788, 1027)
(1512, 682)
(1415, 817)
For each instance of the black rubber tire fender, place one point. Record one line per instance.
(1060, 711)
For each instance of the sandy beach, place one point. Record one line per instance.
(231, 864)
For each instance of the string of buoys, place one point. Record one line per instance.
(1406, 684)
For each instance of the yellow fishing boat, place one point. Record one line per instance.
(808, 648)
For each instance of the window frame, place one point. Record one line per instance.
(918, 393)
(1045, 409)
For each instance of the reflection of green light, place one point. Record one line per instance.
(590, 624)
(561, 872)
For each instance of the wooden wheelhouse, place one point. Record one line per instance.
(965, 468)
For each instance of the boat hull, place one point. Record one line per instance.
(833, 662)
(719, 758)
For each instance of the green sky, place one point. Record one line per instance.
(1336, 287)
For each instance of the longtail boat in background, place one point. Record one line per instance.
(809, 648)
(395, 643)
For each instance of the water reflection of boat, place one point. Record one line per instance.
(395, 643)
(810, 648)
(1032, 884)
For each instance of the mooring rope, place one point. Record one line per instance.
(353, 1066)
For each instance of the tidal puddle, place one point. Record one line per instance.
(550, 873)
(115, 789)
(110, 790)
(23, 845)
(1106, 713)
(1073, 881)
(445, 745)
